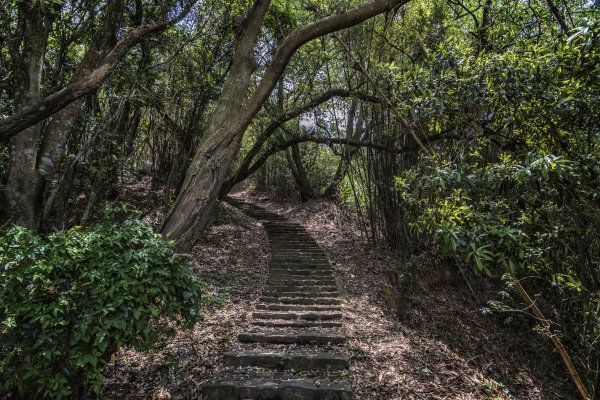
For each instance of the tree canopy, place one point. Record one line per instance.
(465, 126)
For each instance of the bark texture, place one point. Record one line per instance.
(294, 159)
(23, 186)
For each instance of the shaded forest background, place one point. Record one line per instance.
(460, 132)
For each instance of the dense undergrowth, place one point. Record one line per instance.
(70, 301)
(540, 216)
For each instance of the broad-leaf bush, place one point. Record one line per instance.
(68, 302)
(539, 214)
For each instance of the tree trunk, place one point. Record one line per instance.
(22, 192)
(208, 171)
(353, 132)
(56, 133)
(221, 142)
(299, 172)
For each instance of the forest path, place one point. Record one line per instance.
(296, 348)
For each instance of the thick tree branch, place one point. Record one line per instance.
(245, 171)
(324, 97)
(241, 175)
(57, 101)
(559, 18)
(277, 123)
(303, 35)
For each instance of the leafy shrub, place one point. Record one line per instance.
(68, 302)
(539, 214)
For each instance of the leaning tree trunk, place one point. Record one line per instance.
(208, 170)
(221, 142)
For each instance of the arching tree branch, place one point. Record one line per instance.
(57, 101)
(278, 122)
(241, 175)
(245, 171)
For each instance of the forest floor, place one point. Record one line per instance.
(441, 347)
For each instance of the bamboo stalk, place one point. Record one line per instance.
(557, 343)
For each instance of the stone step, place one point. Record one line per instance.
(299, 281)
(309, 273)
(286, 279)
(299, 261)
(287, 240)
(296, 307)
(301, 238)
(298, 338)
(291, 240)
(278, 230)
(286, 225)
(261, 388)
(293, 234)
(321, 279)
(303, 288)
(296, 254)
(306, 266)
(330, 293)
(299, 246)
(294, 257)
(306, 249)
(290, 361)
(299, 253)
(296, 324)
(298, 315)
(293, 252)
(319, 285)
(301, 300)
(301, 267)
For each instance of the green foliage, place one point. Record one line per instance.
(505, 211)
(539, 214)
(70, 301)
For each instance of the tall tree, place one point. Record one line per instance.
(235, 110)
(36, 151)
(22, 191)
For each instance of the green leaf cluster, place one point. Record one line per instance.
(68, 302)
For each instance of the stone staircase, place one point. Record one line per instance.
(295, 350)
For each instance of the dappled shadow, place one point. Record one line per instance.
(232, 261)
(444, 347)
